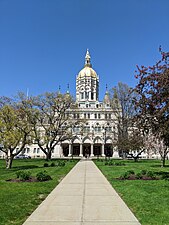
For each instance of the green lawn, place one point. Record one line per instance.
(19, 200)
(149, 199)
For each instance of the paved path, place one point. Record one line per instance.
(83, 197)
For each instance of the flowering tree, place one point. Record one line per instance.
(152, 102)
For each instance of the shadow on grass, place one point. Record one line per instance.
(25, 167)
(159, 165)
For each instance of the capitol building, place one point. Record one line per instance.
(99, 132)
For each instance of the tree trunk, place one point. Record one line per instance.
(9, 160)
(135, 159)
(49, 156)
(163, 161)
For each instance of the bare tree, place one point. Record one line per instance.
(122, 104)
(51, 119)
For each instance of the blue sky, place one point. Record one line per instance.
(43, 42)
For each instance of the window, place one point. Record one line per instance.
(85, 115)
(105, 116)
(38, 150)
(99, 115)
(109, 116)
(88, 115)
(82, 95)
(95, 116)
(28, 150)
(92, 97)
(34, 150)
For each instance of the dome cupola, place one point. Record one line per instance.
(87, 82)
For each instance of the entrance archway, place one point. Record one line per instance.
(65, 148)
(76, 149)
(97, 149)
(86, 149)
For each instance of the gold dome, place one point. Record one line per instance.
(87, 71)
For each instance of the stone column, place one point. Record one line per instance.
(103, 150)
(91, 155)
(81, 150)
(70, 150)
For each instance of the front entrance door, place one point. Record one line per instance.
(86, 150)
(65, 148)
(97, 149)
(76, 149)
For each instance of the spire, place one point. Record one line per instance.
(59, 89)
(87, 59)
(67, 89)
(106, 89)
(106, 97)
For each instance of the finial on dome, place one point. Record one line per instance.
(67, 88)
(59, 89)
(106, 88)
(87, 58)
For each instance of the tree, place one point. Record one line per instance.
(14, 129)
(135, 143)
(122, 104)
(51, 119)
(152, 103)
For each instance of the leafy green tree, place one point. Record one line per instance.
(14, 129)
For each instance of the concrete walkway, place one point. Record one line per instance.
(84, 197)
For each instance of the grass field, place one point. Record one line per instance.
(19, 200)
(148, 199)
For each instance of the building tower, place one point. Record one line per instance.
(87, 85)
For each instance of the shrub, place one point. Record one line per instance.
(139, 176)
(18, 173)
(61, 163)
(126, 175)
(46, 165)
(130, 172)
(23, 175)
(43, 176)
(151, 174)
(144, 172)
(52, 164)
(165, 175)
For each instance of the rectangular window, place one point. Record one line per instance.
(88, 115)
(105, 116)
(109, 116)
(85, 115)
(95, 116)
(34, 150)
(38, 150)
(99, 115)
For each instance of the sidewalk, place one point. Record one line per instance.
(84, 197)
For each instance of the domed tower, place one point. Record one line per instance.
(87, 83)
